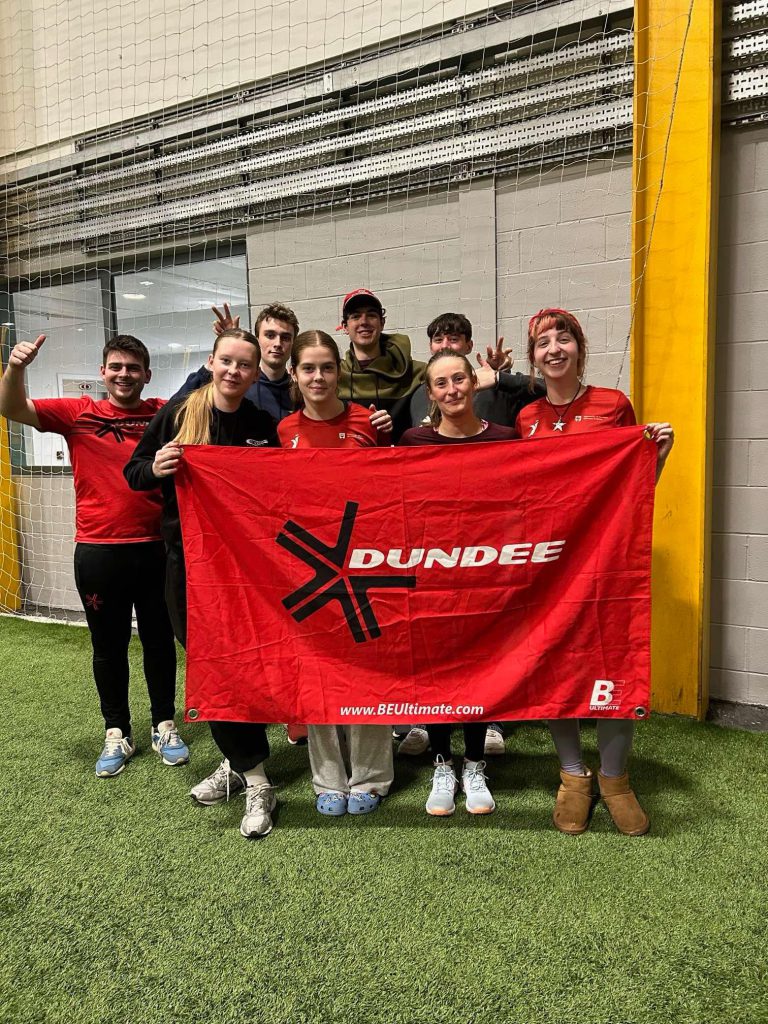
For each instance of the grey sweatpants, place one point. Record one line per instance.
(351, 758)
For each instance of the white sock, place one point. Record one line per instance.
(256, 776)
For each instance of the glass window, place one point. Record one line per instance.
(169, 309)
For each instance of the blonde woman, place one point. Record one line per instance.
(216, 414)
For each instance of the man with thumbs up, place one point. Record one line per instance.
(119, 555)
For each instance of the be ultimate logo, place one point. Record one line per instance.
(337, 577)
(606, 695)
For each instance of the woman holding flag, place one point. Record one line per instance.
(215, 414)
(352, 766)
(557, 353)
(451, 384)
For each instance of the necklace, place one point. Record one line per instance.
(559, 424)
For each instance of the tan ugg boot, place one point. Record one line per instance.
(628, 816)
(573, 804)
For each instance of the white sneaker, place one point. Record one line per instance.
(415, 743)
(445, 785)
(494, 742)
(221, 785)
(473, 782)
(260, 801)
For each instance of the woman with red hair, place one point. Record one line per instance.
(557, 351)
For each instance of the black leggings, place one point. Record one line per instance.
(474, 740)
(244, 744)
(112, 580)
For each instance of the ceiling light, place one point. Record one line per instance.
(147, 284)
(173, 344)
(8, 323)
(133, 295)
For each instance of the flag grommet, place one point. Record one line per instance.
(193, 713)
(641, 712)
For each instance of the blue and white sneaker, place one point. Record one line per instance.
(169, 745)
(117, 750)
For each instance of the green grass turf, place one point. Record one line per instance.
(124, 902)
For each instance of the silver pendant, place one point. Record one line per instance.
(558, 425)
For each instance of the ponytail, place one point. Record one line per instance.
(193, 417)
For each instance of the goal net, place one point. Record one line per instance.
(161, 158)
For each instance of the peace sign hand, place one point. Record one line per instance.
(224, 320)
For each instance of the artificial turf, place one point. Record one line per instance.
(122, 901)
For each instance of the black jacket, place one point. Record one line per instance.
(248, 425)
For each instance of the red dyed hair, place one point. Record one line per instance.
(561, 320)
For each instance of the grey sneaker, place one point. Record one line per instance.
(221, 785)
(494, 742)
(445, 785)
(473, 782)
(415, 743)
(260, 801)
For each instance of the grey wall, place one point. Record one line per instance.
(740, 513)
(563, 239)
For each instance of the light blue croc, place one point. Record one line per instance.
(362, 803)
(332, 804)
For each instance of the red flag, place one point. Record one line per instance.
(476, 582)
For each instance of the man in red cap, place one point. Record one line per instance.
(378, 368)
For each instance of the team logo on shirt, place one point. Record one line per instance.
(332, 581)
(534, 428)
(103, 426)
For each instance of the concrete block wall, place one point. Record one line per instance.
(739, 618)
(563, 239)
(405, 250)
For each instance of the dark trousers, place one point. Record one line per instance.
(244, 744)
(474, 740)
(112, 580)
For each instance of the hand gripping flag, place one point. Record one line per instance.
(504, 580)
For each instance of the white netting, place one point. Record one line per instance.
(160, 158)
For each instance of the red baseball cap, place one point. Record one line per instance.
(360, 297)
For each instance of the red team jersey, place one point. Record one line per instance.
(596, 409)
(350, 429)
(101, 438)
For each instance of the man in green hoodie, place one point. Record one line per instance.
(378, 367)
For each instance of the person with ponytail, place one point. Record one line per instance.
(216, 414)
(451, 384)
(351, 765)
(557, 354)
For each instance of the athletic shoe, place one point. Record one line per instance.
(473, 779)
(494, 741)
(260, 801)
(221, 785)
(169, 745)
(117, 750)
(297, 735)
(362, 803)
(333, 804)
(445, 785)
(415, 743)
